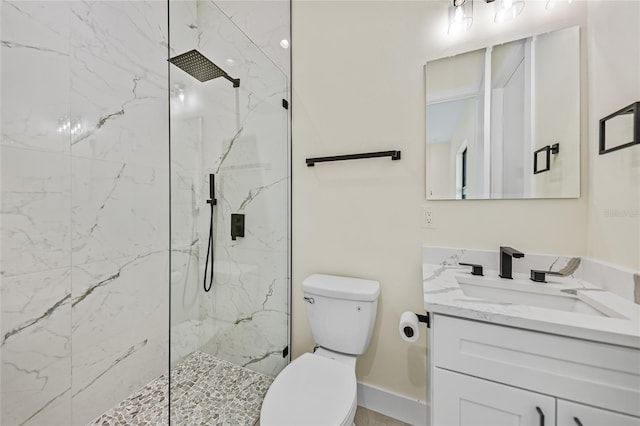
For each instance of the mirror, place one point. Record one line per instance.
(504, 122)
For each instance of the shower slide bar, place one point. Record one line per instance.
(395, 155)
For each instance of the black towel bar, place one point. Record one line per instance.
(395, 155)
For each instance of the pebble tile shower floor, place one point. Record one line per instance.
(204, 391)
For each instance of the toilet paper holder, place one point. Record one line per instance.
(425, 319)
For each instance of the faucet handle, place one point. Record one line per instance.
(540, 276)
(475, 268)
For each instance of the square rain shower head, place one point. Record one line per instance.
(200, 67)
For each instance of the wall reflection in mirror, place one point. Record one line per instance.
(495, 113)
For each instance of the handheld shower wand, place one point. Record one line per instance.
(210, 249)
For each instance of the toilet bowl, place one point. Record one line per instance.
(311, 391)
(319, 389)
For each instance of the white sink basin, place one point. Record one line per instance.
(566, 306)
(519, 292)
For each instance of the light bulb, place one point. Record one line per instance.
(460, 16)
(284, 43)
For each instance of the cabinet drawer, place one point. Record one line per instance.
(462, 400)
(597, 374)
(572, 414)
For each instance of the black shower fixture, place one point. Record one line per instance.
(200, 67)
(210, 245)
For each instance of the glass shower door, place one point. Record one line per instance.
(238, 331)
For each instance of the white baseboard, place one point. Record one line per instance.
(391, 404)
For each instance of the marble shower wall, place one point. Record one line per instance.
(266, 23)
(35, 269)
(84, 206)
(244, 319)
(186, 237)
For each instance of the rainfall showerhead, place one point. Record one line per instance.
(200, 67)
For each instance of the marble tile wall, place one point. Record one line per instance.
(266, 23)
(248, 307)
(119, 201)
(186, 183)
(186, 236)
(84, 206)
(35, 189)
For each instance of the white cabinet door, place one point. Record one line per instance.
(572, 414)
(461, 400)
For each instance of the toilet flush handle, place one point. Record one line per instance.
(309, 300)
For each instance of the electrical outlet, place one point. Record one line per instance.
(428, 218)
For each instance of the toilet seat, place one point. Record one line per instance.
(312, 390)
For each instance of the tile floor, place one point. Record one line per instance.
(365, 417)
(204, 391)
(207, 391)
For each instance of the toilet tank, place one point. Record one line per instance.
(341, 311)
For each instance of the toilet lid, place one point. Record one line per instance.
(312, 390)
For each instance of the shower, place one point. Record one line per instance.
(200, 67)
(106, 155)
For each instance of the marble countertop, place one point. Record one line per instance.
(444, 295)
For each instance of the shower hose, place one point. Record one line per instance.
(210, 248)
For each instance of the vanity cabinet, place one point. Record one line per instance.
(485, 374)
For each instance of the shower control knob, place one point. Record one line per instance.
(309, 300)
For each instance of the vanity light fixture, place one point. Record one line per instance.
(460, 16)
(461, 12)
(508, 10)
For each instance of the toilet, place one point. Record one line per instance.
(319, 388)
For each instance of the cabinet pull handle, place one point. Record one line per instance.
(541, 414)
(577, 420)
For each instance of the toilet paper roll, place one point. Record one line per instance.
(409, 330)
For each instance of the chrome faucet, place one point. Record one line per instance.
(506, 256)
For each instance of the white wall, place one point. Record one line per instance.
(358, 86)
(614, 179)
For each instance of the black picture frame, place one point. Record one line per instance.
(634, 109)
